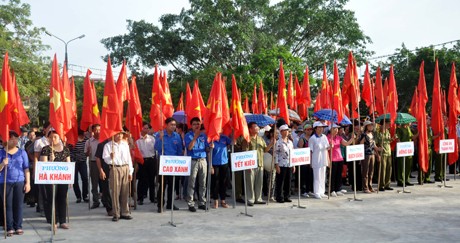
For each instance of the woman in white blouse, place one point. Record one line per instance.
(319, 145)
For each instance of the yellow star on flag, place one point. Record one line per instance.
(95, 110)
(3, 98)
(105, 101)
(56, 100)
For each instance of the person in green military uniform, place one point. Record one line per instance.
(439, 169)
(425, 177)
(404, 134)
(383, 140)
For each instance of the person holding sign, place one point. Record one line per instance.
(117, 155)
(367, 165)
(283, 171)
(168, 142)
(197, 144)
(254, 177)
(219, 170)
(17, 183)
(404, 135)
(319, 146)
(337, 160)
(56, 151)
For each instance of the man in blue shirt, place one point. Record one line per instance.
(196, 143)
(168, 142)
(219, 170)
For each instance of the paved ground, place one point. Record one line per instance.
(428, 214)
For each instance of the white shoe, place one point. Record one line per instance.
(343, 191)
(333, 194)
(305, 195)
(340, 194)
(311, 194)
(324, 196)
(317, 196)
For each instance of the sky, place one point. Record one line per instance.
(389, 23)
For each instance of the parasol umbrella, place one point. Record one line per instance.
(292, 114)
(401, 118)
(260, 119)
(180, 117)
(328, 115)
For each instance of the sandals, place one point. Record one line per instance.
(19, 232)
(64, 226)
(10, 233)
(224, 204)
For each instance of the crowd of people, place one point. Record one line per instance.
(116, 174)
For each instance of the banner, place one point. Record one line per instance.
(404, 149)
(244, 160)
(175, 165)
(446, 146)
(54, 172)
(300, 156)
(355, 152)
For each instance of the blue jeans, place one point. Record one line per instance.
(14, 203)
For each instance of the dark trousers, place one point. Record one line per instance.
(218, 182)
(14, 203)
(106, 199)
(80, 168)
(94, 174)
(306, 178)
(283, 183)
(336, 177)
(147, 173)
(168, 181)
(60, 203)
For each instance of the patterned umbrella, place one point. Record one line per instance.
(401, 118)
(328, 115)
(292, 114)
(260, 119)
(180, 117)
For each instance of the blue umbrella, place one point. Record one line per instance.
(180, 117)
(328, 115)
(260, 119)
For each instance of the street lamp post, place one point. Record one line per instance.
(65, 43)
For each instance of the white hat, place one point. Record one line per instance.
(284, 127)
(319, 124)
(367, 123)
(334, 126)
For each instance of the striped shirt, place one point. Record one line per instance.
(78, 153)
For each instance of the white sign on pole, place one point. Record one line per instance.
(446, 146)
(404, 149)
(54, 172)
(244, 160)
(175, 165)
(355, 152)
(300, 156)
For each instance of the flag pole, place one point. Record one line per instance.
(4, 195)
(332, 142)
(162, 153)
(233, 172)
(270, 183)
(208, 186)
(114, 190)
(88, 162)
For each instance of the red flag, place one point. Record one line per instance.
(422, 126)
(122, 85)
(318, 103)
(378, 92)
(90, 111)
(246, 105)
(72, 134)
(213, 118)
(437, 124)
(110, 122)
(367, 89)
(350, 88)
(188, 97)
(6, 101)
(297, 93)
(290, 92)
(195, 109)
(157, 116)
(306, 97)
(453, 114)
(282, 102)
(326, 91)
(19, 114)
(168, 107)
(66, 100)
(413, 109)
(262, 100)
(180, 104)
(134, 112)
(226, 126)
(392, 97)
(56, 109)
(255, 105)
(337, 105)
(239, 124)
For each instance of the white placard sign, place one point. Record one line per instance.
(446, 146)
(175, 165)
(404, 149)
(244, 160)
(54, 172)
(355, 152)
(300, 156)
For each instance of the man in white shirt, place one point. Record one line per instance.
(118, 156)
(147, 171)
